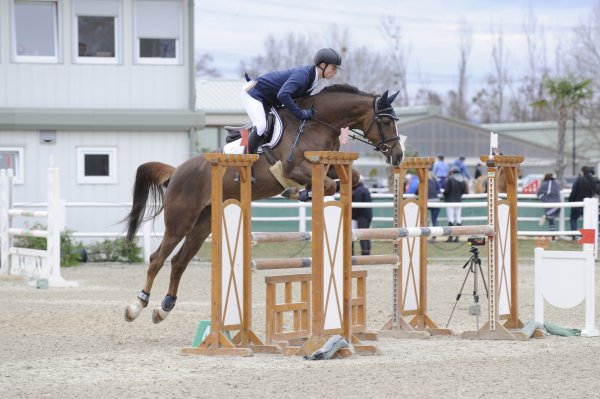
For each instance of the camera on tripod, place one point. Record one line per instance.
(474, 267)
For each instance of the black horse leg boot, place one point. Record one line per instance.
(254, 141)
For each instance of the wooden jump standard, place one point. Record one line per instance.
(410, 278)
(231, 283)
(331, 281)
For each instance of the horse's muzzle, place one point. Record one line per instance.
(395, 159)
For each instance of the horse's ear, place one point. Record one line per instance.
(383, 100)
(393, 96)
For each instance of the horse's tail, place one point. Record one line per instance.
(152, 179)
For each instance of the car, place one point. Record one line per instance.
(527, 183)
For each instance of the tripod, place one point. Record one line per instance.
(474, 264)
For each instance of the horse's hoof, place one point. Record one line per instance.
(158, 315)
(290, 193)
(133, 311)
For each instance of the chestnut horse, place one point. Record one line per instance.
(480, 184)
(184, 193)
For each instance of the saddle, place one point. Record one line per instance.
(233, 132)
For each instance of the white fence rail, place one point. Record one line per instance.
(41, 264)
(302, 218)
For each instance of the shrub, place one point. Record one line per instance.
(114, 251)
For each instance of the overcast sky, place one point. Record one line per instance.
(232, 30)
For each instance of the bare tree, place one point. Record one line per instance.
(428, 97)
(501, 79)
(204, 66)
(585, 61)
(457, 105)
(399, 54)
(280, 53)
(368, 70)
(363, 67)
(531, 87)
(490, 101)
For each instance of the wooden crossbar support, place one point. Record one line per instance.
(298, 331)
(230, 250)
(410, 278)
(331, 285)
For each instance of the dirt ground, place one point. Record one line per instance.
(74, 343)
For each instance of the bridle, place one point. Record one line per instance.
(378, 113)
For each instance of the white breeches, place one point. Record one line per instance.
(454, 214)
(255, 111)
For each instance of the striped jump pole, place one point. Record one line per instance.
(231, 284)
(296, 263)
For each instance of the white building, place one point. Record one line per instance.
(100, 86)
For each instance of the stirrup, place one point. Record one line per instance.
(236, 178)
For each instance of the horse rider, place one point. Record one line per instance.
(282, 88)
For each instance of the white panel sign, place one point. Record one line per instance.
(333, 280)
(233, 268)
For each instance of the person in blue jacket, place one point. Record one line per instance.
(282, 88)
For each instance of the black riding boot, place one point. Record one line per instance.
(254, 141)
(450, 238)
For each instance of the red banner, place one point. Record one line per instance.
(588, 236)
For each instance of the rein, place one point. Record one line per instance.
(361, 136)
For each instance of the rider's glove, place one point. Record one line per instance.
(307, 113)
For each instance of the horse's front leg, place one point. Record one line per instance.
(332, 173)
(302, 174)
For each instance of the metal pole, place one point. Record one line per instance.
(574, 154)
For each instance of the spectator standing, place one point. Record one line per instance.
(433, 190)
(441, 169)
(362, 216)
(413, 184)
(460, 164)
(549, 191)
(455, 189)
(478, 171)
(585, 186)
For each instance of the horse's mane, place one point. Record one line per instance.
(343, 88)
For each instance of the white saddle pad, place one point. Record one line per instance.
(236, 147)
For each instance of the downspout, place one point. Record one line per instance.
(199, 115)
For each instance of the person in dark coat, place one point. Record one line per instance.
(282, 88)
(362, 216)
(549, 191)
(478, 171)
(585, 186)
(433, 190)
(455, 189)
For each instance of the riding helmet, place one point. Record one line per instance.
(328, 56)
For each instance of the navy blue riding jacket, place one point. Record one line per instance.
(283, 87)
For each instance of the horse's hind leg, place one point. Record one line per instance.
(157, 260)
(193, 241)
